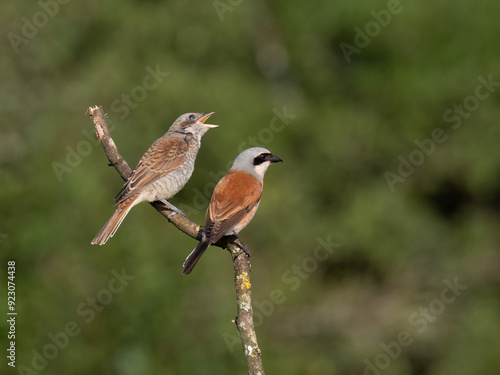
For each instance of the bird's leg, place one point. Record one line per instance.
(174, 209)
(246, 250)
(242, 246)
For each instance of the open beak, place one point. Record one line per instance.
(205, 118)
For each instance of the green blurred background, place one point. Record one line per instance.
(344, 92)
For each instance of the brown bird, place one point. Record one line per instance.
(162, 171)
(234, 201)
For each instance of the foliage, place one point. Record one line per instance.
(392, 155)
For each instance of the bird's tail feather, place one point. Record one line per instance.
(193, 258)
(109, 229)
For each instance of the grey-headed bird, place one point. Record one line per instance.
(234, 201)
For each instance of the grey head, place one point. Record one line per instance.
(255, 161)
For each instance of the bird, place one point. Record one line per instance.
(234, 201)
(162, 171)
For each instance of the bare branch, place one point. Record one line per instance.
(244, 320)
(102, 133)
(241, 258)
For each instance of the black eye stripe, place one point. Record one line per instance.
(261, 159)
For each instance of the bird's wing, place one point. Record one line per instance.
(163, 157)
(234, 197)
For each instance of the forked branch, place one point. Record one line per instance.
(241, 259)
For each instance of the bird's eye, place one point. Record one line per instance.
(191, 117)
(259, 159)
